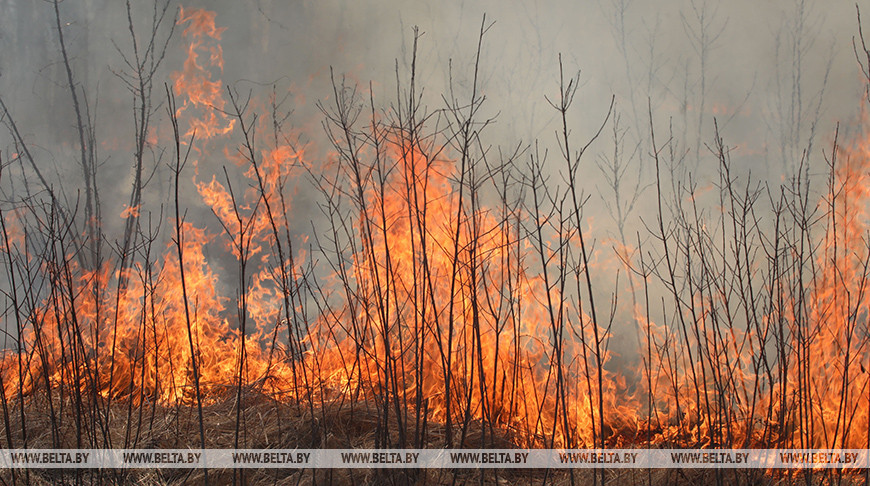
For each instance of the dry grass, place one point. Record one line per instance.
(267, 423)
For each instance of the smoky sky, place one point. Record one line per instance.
(759, 68)
(775, 77)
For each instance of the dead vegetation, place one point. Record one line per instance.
(448, 295)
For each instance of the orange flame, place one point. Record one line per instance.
(195, 83)
(441, 307)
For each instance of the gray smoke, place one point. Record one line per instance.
(775, 76)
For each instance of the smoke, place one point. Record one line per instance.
(753, 54)
(775, 77)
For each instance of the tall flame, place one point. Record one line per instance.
(436, 306)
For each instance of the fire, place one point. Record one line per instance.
(835, 343)
(195, 80)
(797, 376)
(436, 303)
(417, 314)
(130, 211)
(133, 341)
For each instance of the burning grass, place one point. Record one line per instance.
(269, 423)
(266, 423)
(445, 297)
